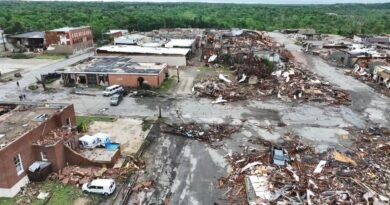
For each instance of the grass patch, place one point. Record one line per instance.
(60, 195)
(83, 122)
(166, 85)
(8, 201)
(50, 56)
(205, 73)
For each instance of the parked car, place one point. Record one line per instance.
(116, 99)
(123, 92)
(100, 186)
(111, 90)
(279, 156)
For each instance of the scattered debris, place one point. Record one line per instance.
(223, 78)
(211, 133)
(56, 135)
(251, 56)
(311, 177)
(43, 195)
(143, 186)
(77, 176)
(319, 167)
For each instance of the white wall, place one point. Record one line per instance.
(11, 192)
(170, 60)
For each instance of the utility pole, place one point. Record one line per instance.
(178, 77)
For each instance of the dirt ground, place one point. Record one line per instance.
(125, 131)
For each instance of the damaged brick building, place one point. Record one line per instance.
(34, 133)
(69, 40)
(21, 125)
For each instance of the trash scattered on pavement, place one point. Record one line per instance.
(211, 133)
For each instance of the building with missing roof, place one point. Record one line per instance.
(114, 70)
(69, 40)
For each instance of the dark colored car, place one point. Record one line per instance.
(116, 99)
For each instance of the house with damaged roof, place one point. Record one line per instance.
(39, 138)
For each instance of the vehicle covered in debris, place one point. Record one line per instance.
(100, 186)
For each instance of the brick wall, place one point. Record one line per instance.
(55, 154)
(129, 80)
(24, 147)
(74, 158)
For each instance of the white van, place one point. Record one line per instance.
(100, 186)
(112, 90)
(88, 142)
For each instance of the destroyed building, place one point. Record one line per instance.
(381, 75)
(68, 40)
(116, 33)
(22, 125)
(30, 41)
(114, 70)
(366, 39)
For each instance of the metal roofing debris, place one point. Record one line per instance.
(35, 34)
(186, 43)
(37, 165)
(257, 187)
(144, 50)
(41, 117)
(115, 65)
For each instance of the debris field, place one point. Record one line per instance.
(357, 176)
(258, 76)
(210, 134)
(77, 176)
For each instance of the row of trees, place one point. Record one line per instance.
(344, 19)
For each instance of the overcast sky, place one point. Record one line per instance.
(251, 1)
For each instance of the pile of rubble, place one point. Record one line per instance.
(206, 133)
(297, 83)
(304, 176)
(289, 84)
(56, 135)
(77, 176)
(378, 78)
(251, 56)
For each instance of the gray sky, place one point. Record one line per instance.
(250, 1)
